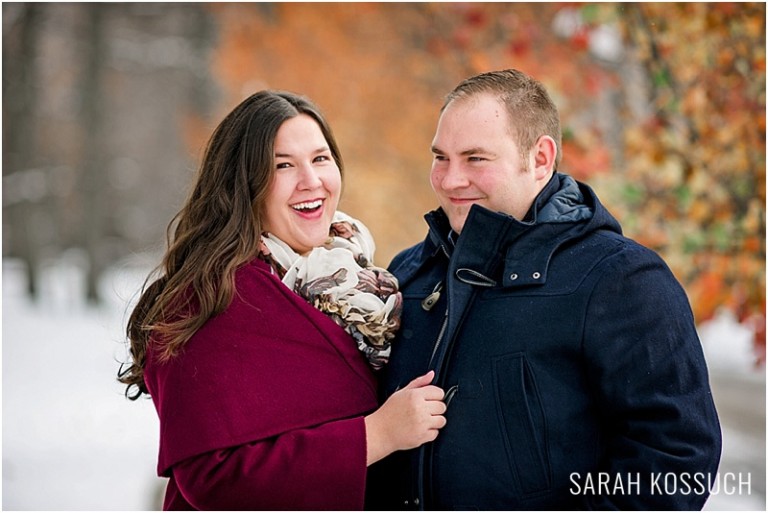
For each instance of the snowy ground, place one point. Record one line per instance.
(71, 441)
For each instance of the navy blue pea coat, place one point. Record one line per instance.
(573, 372)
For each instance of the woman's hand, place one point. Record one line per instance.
(410, 417)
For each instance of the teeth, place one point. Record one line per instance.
(308, 205)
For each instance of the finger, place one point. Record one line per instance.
(432, 393)
(433, 406)
(437, 407)
(436, 424)
(422, 381)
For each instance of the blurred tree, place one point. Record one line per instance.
(21, 179)
(97, 104)
(693, 186)
(93, 179)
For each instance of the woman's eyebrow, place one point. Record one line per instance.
(322, 149)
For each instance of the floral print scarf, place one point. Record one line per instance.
(340, 280)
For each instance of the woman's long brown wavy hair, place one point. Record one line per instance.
(216, 232)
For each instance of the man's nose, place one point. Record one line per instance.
(454, 177)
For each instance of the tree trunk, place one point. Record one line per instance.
(93, 178)
(20, 138)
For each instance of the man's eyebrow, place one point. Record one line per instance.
(469, 151)
(475, 151)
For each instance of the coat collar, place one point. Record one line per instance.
(492, 248)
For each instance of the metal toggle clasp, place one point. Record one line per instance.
(428, 302)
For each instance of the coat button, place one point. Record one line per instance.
(416, 501)
(513, 276)
(536, 275)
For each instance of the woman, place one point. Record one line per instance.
(264, 401)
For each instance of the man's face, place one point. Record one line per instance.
(476, 160)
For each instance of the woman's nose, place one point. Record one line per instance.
(310, 178)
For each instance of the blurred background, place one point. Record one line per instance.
(107, 108)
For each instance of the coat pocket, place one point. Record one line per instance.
(523, 423)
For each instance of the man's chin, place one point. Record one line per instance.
(457, 226)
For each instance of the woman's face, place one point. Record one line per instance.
(305, 192)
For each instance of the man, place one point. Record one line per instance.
(573, 373)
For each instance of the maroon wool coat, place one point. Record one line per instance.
(263, 408)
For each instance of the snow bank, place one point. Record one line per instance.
(71, 441)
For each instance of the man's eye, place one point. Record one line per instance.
(440, 158)
(476, 159)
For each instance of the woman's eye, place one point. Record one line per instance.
(283, 165)
(322, 158)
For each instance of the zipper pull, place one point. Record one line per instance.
(428, 302)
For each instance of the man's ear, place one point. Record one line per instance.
(544, 154)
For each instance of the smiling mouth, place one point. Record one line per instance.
(307, 207)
